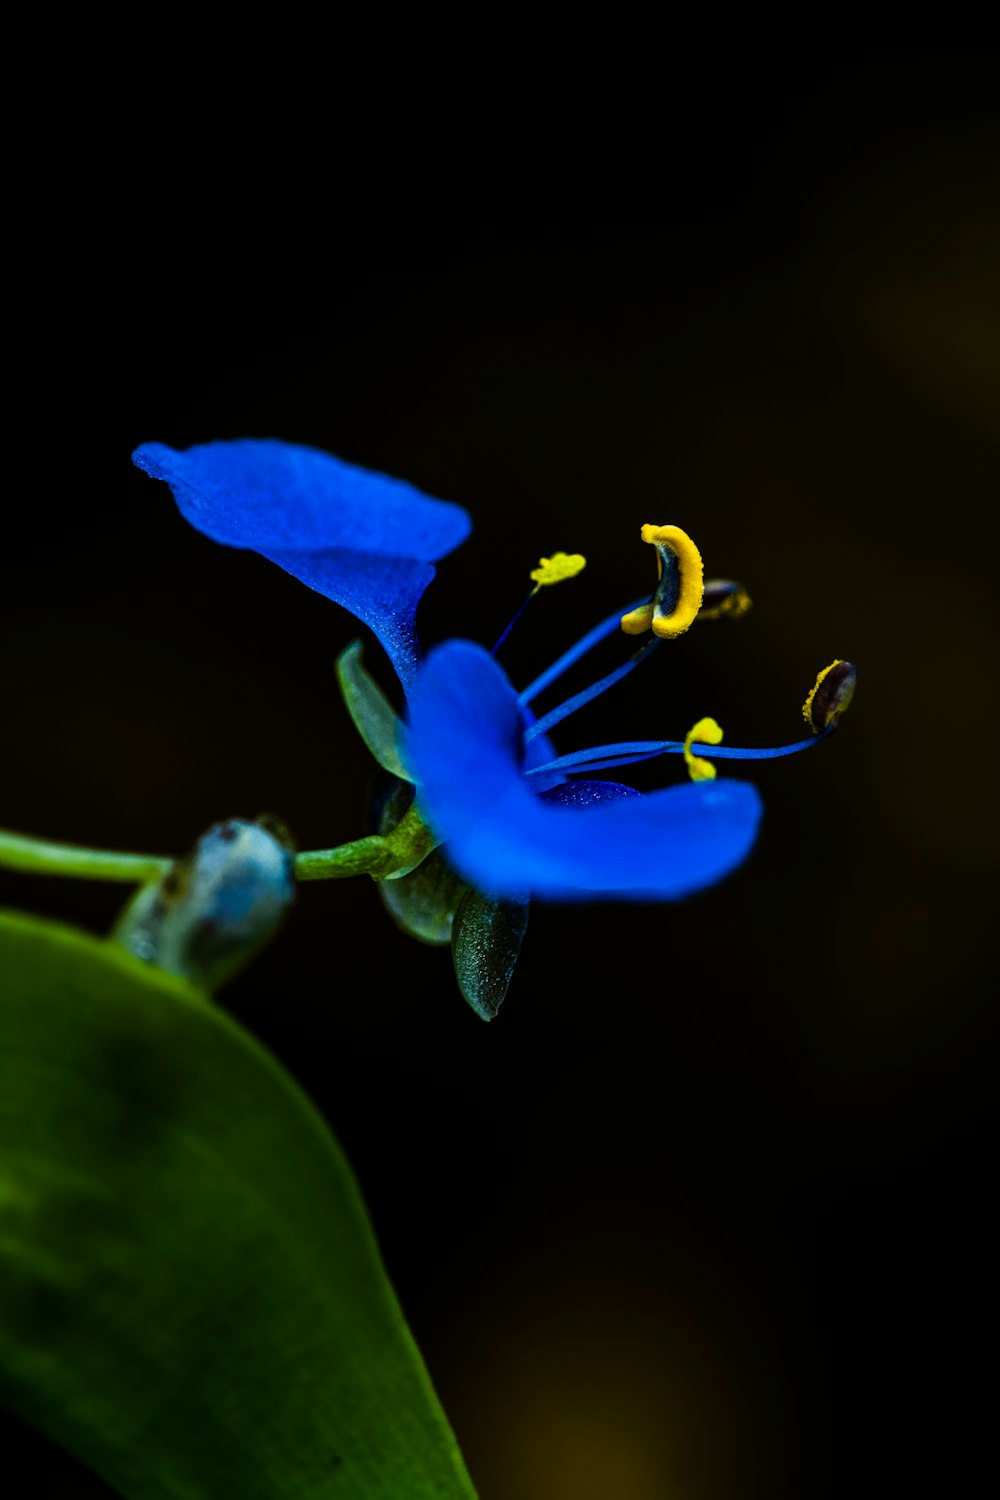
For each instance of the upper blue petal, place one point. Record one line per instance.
(361, 538)
(466, 749)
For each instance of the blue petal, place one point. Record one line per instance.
(358, 537)
(466, 748)
(586, 793)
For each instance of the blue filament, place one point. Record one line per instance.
(588, 694)
(583, 645)
(603, 757)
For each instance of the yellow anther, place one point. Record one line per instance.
(829, 695)
(678, 596)
(639, 620)
(724, 600)
(557, 567)
(554, 569)
(706, 732)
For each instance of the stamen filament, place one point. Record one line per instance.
(605, 757)
(511, 623)
(587, 695)
(550, 570)
(611, 626)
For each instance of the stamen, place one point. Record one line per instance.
(554, 569)
(637, 621)
(569, 658)
(557, 567)
(563, 711)
(829, 696)
(700, 769)
(679, 592)
(723, 599)
(608, 757)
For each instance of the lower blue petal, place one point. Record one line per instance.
(581, 794)
(466, 749)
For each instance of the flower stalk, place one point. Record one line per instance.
(380, 857)
(18, 851)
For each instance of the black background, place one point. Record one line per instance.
(708, 1210)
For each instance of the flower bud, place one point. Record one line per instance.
(215, 908)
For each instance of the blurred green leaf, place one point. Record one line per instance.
(191, 1298)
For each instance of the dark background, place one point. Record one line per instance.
(707, 1212)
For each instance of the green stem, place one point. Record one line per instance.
(41, 857)
(375, 856)
(380, 855)
(370, 856)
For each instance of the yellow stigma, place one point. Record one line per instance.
(706, 732)
(557, 567)
(680, 590)
(829, 695)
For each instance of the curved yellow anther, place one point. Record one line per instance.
(678, 596)
(829, 695)
(557, 567)
(706, 732)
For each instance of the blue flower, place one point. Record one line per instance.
(360, 538)
(515, 819)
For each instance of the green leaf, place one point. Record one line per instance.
(486, 939)
(191, 1298)
(371, 711)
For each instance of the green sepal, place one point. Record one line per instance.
(409, 843)
(485, 943)
(376, 722)
(423, 903)
(191, 1297)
